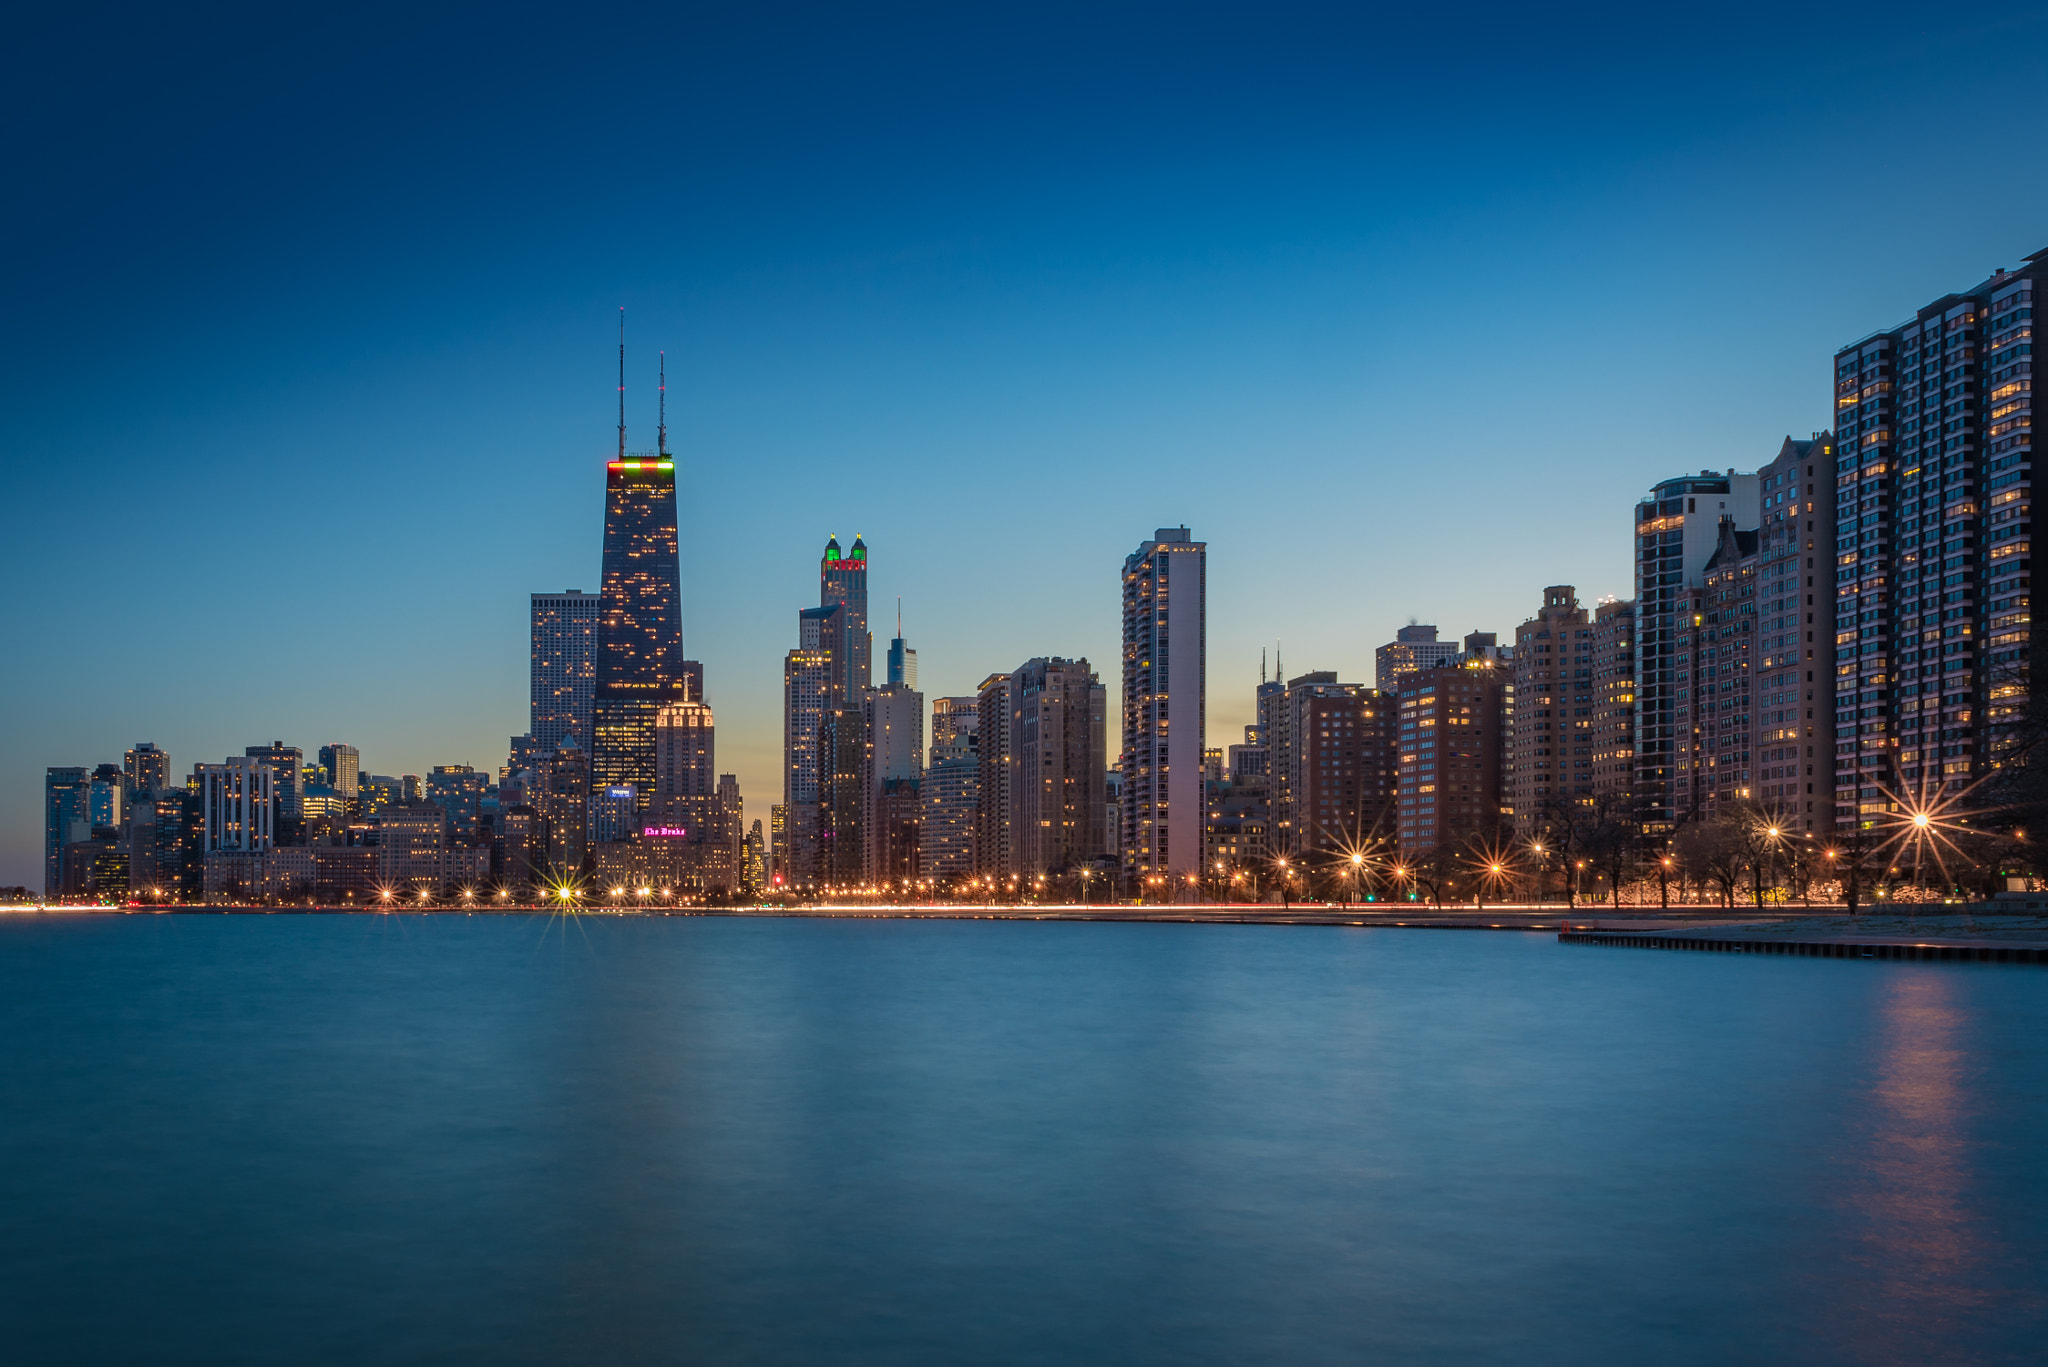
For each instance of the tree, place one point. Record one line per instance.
(1711, 852)
(1612, 838)
(1434, 869)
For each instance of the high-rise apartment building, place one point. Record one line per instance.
(1614, 705)
(1454, 733)
(1738, 654)
(563, 667)
(1333, 766)
(565, 811)
(458, 790)
(1043, 745)
(952, 785)
(1756, 657)
(1165, 700)
(685, 766)
(1677, 530)
(807, 698)
(147, 769)
(1553, 765)
(239, 804)
(1414, 647)
(287, 764)
(1933, 492)
(344, 766)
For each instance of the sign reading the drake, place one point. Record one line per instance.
(664, 832)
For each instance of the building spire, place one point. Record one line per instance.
(1262, 666)
(661, 429)
(1279, 675)
(899, 616)
(622, 382)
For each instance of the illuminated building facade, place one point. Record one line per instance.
(893, 774)
(1333, 765)
(1933, 566)
(1677, 530)
(344, 766)
(239, 803)
(1556, 656)
(1614, 704)
(287, 764)
(1414, 647)
(65, 811)
(1042, 739)
(952, 783)
(562, 678)
(564, 811)
(147, 769)
(1165, 701)
(806, 700)
(640, 664)
(1454, 725)
(685, 760)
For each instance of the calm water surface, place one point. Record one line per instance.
(470, 1140)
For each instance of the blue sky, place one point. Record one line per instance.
(309, 373)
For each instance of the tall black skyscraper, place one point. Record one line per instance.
(640, 664)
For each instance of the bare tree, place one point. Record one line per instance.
(1711, 851)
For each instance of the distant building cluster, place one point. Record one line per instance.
(1807, 641)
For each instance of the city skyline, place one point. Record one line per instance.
(411, 434)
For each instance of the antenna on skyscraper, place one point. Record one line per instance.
(1262, 664)
(899, 616)
(661, 431)
(622, 382)
(1278, 676)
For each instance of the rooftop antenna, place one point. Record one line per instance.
(1262, 666)
(661, 429)
(899, 616)
(622, 382)
(1276, 662)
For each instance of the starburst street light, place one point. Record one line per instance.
(1922, 822)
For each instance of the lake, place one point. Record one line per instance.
(448, 1139)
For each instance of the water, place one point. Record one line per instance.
(471, 1140)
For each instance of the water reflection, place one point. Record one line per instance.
(1924, 1247)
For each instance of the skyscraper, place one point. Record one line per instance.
(806, 698)
(1553, 772)
(902, 658)
(894, 771)
(1933, 490)
(951, 785)
(563, 678)
(685, 760)
(67, 816)
(286, 763)
(1043, 738)
(239, 804)
(344, 766)
(1453, 733)
(843, 583)
(1414, 647)
(640, 664)
(1677, 532)
(148, 769)
(1333, 765)
(1165, 681)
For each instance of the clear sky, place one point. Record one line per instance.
(308, 373)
